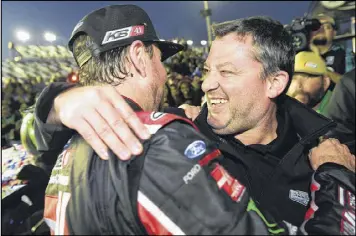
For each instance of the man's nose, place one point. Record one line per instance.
(210, 83)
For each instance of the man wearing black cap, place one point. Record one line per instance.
(177, 185)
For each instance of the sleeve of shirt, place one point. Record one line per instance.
(332, 208)
(50, 137)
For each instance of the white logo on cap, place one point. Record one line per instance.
(311, 64)
(123, 33)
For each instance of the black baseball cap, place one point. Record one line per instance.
(119, 25)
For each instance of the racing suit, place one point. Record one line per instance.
(177, 186)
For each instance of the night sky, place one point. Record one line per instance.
(171, 19)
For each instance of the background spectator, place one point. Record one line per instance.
(310, 83)
(322, 43)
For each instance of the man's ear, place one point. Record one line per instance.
(327, 82)
(277, 83)
(137, 57)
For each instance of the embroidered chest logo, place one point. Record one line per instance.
(299, 196)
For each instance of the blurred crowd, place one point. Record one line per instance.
(35, 67)
(16, 97)
(184, 72)
(24, 76)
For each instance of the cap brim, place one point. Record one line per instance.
(309, 72)
(168, 49)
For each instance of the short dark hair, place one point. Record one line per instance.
(105, 68)
(273, 44)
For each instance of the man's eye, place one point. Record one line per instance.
(205, 71)
(225, 72)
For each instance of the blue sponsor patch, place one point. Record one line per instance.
(195, 149)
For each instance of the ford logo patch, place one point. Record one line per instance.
(195, 149)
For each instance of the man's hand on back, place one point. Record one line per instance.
(331, 150)
(103, 118)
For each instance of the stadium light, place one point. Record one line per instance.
(22, 35)
(162, 40)
(203, 42)
(175, 41)
(50, 37)
(189, 42)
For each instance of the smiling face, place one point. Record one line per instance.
(235, 93)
